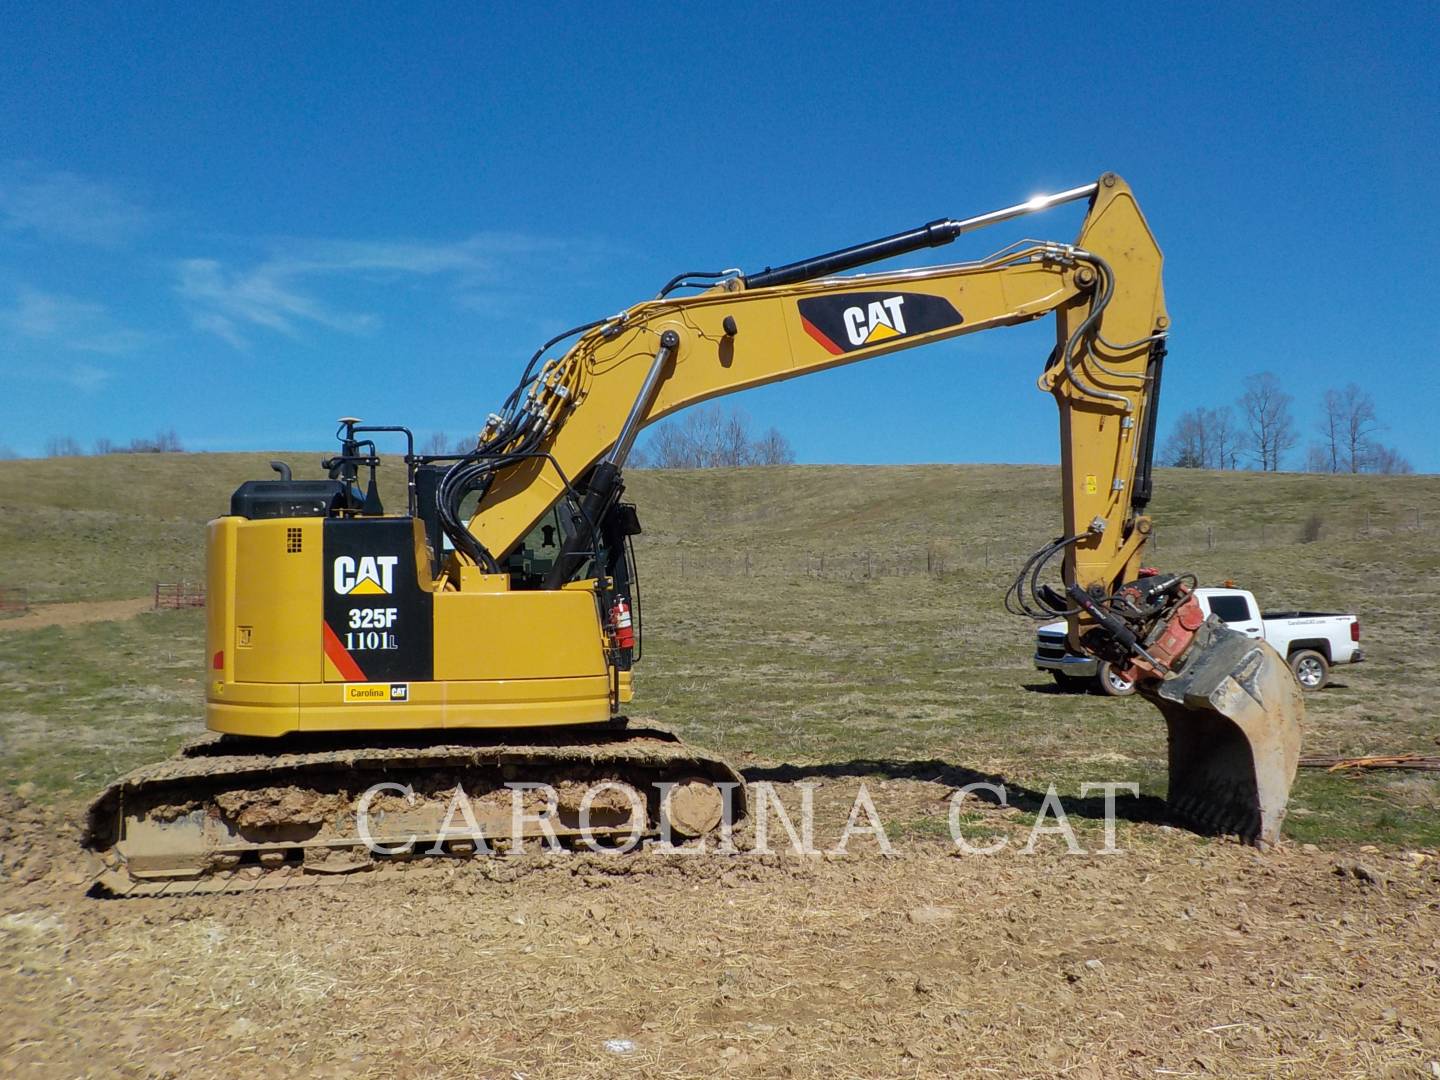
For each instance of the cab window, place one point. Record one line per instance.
(1230, 609)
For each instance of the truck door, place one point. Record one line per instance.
(1237, 611)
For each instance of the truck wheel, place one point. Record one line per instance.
(1109, 683)
(1312, 670)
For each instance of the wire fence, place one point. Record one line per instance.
(14, 600)
(942, 556)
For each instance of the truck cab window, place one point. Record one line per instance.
(1231, 609)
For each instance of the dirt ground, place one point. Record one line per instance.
(1179, 957)
(73, 614)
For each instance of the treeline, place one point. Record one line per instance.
(711, 438)
(703, 438)
(164, 442)
(1260, 432)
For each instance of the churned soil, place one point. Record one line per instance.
(1178, 957)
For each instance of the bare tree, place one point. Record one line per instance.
(732, 443)
(1202, 439)
(772, 448)
(7, 452)
(1270, 427)
(713, 437)
(1327, 453)
(1358, 425)
(63, 446)
(437, 443)
(1318, 459)
(1386, 460)
(1347, 425)
(163, 442)
(1224, 437)
(675, 447)
(1186, 448)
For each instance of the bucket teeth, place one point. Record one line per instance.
(1234, 716)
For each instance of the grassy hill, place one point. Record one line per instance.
(814, 616)
(110, 527)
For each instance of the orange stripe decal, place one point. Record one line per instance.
(343, 661)
(819, 335)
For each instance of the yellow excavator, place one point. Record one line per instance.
(363, 666)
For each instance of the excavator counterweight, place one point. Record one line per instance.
(486, 637)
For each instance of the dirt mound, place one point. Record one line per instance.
(39, 844)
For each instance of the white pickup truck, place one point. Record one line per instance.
(1313, 642)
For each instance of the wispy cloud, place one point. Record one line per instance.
(66, 206)
(282, 292)
(87, 378)
(268, 296)
(211, 322)
(69, 323)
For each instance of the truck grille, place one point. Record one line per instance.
(1050, 650)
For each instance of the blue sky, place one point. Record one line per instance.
(242, 221)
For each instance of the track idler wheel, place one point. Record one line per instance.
(1234, 715)
(693, 807)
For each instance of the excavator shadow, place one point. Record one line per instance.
(1052, 688)
(1143, 809)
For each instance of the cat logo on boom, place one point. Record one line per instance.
(882, 319)
(852, 321)
(370, 575)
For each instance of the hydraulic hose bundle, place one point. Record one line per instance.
(510, 436)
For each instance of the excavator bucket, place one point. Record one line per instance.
(1234, 716)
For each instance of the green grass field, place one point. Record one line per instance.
(838, 617)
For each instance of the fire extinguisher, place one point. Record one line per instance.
(620, 621)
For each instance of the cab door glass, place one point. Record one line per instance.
(531, 561)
